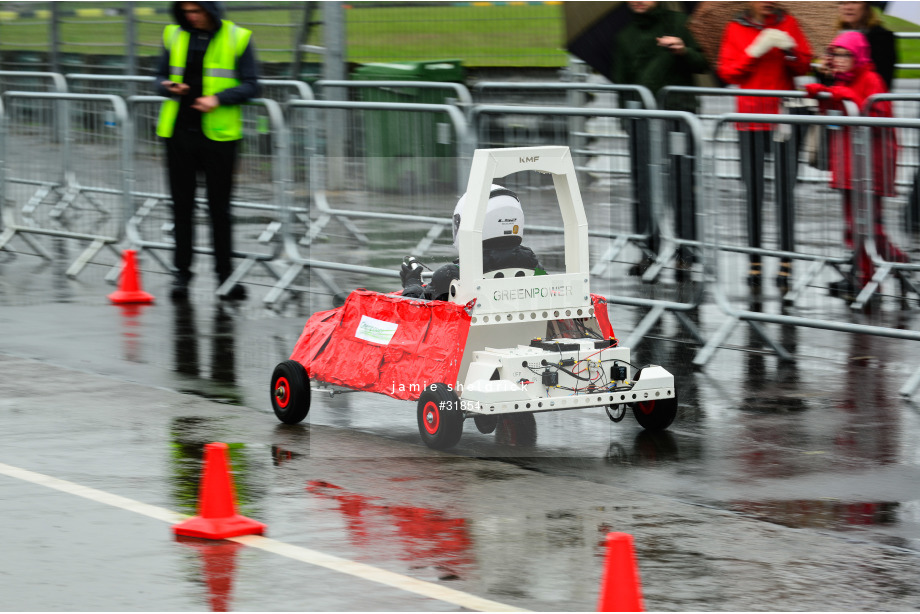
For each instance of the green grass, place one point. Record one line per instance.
(502, 35)
(908, 49)
(525, 35)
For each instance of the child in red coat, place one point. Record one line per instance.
(855, 79)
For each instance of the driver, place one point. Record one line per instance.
(502, 236)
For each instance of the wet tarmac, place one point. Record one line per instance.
(779, 486)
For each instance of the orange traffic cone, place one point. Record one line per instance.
(129, 288)
(217, 517)
(620, 589)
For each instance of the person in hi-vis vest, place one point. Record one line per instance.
(207, 70)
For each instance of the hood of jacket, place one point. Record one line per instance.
(649, 18)
(214, 9)
(857, 44)
(776, 18)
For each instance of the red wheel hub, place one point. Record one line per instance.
(431, 416)
(647, 407)
(282, 392)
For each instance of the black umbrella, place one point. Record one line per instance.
(591, 29)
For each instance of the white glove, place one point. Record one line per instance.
(782, 40)
(767, 40)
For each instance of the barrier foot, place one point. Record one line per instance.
(781, 352)
(638, 333)
(289, 276)
(88, 254)
(703, 356)
(603, 263)
(911, 386)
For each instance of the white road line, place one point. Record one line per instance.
(375, 574)
(305, 555)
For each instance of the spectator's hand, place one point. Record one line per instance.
(813, 89)
(824, 66)
(673, 43)
(206, 104)
(782, 40)
(176, 89)
(839, 93)
(768, 39)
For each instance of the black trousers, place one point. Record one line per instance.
(754, 145)
(639, 158)
(188, 154)
(681, 187)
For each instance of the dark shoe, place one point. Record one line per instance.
(843, 289)
(237, 293)
(179, 290)
(639, 269)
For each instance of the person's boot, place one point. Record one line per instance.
(179, 289)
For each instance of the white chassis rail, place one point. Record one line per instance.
(511, 310)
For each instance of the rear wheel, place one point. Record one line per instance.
(486, 424)
(657, 414)
(440, 421)
(290, 392)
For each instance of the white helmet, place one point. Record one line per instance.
(504, 223)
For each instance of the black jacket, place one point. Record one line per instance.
(246, 69)
(515, 257)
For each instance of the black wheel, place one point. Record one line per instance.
(616, 411)
(440, 421)
(657, 414)
(290, 392)
(519, 429)
(486, 424)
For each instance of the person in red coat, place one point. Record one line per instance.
(764, 49)
(855, 79)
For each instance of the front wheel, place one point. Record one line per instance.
(440, 421)
(657, 414)
(290, 392)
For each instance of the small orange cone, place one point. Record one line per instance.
(217, 517)
(620, 589)
(129, 288)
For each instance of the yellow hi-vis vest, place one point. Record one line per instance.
(224, 123)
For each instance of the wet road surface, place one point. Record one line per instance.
(782, 487)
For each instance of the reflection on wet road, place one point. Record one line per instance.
(777, 482)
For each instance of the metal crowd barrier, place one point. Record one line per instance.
(71, 183)
(609, 211)
(32, 81)
(402, 92)
(259, 187)
(280, 90)
(819, 232)
(598, 143)
(901, 215)
(716, 102)
(373, 183)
